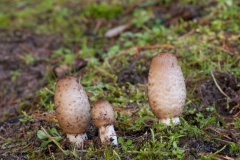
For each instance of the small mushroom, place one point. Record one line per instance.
(72, 109)
(166, 88)
(103, 118)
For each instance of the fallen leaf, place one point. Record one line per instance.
(116, 31)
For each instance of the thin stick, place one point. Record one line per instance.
(215, 81)
(219, 133)
(186, 35)
(52, 139)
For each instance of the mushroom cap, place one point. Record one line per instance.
(166, 86)
(72, 105)
(102, 113)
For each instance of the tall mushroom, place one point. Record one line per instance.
(72, 109)
(166, 88)
(103, 118)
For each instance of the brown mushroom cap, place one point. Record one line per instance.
(166, 86)
(102, 113)
(72, 105)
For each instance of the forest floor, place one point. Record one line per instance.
(110, 44)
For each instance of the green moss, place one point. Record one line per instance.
(103, 10)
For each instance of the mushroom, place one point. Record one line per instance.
(72, 109)
(166, 88)
(103, 118)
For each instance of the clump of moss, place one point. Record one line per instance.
(103, 10)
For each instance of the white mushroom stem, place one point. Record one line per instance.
(78, 139)
(108, 134)
(168, 121)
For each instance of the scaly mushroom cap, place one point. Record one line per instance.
(166, 86)
(102, 113)
(72, 105)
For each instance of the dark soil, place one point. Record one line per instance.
(131, 75)
(15, 46)
(25, 67)
(21, 136)
(230, 95)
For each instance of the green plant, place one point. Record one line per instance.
(103, 10)
(43, 136)
(46, 95)
(237, 122)
(26, 118)
(15, 75)
(66, 54)
(29, 59)
(235, 148)
(178, 152)
(139, 123)
(126, 145)
(140, 18)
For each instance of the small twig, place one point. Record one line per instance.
(236, 115)
(99, 23)
(104, 72)
(124, 124)
(234, 108)
(24, 134)
(218, 156)
(84, 19)
(139, 48)
(129, 9)
(223, 140)
(154, 46)
(128, 111)
(10, 102)
(25, 48)
(223, 157)
(121, 53)
(224, 50)
(219, 88)
(219, 133)
(186, 35)
(49, 115)
(49, 150)
(45, 116)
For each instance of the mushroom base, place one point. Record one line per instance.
(167, 121)
(78, 139)
(107, 134)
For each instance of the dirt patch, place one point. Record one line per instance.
(200, 146)
(132, 75)
(20, 136)
(224, 93)
(23, 65)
